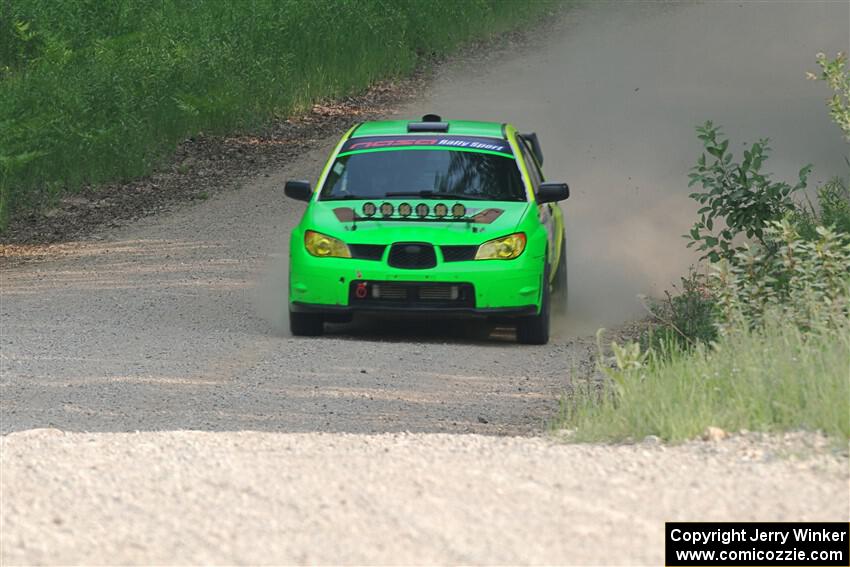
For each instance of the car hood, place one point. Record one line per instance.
(483, 220)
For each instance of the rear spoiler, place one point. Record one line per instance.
(533, 143)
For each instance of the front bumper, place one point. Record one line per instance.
(495, 312)
(501, 287)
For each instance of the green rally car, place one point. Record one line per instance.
(431, 216)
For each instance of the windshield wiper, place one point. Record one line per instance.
(440, 195)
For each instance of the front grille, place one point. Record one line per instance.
(367, 251)
(439, 293)
(410, 295)
(458, 253)
(412, 256)
(388, 291)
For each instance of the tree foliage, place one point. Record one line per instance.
(834, 74)
(736, 198)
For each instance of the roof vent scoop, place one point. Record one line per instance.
(430, 123)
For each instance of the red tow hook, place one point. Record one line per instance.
(360, 290)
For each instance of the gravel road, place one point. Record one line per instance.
(260, 498)
(115, 346)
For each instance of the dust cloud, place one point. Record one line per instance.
(615, 91)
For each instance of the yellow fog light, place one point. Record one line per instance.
(324, 246)
(505, 248)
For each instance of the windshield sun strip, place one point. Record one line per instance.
(444, 148)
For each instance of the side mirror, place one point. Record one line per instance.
(552, 192)
(298, 190)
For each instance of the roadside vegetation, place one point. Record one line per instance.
(759, 338)
(96, 91)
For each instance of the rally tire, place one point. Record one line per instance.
(534, 330)
(306, 324)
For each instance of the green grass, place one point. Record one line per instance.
(102, 90)
(774, 379)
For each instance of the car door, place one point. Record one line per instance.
(549, 213)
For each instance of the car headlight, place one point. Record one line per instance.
(505, 248)
(324, 246)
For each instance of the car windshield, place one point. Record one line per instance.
(421, 173)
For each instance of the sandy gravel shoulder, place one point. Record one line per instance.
(259, 498)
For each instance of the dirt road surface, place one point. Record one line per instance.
(259, 498)
(299, 452)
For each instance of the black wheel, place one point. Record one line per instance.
(560, 299)
(534, 330)
(306, 324)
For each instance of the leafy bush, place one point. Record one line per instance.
(834, 201)
(832, 71)
(737, 197)
(684, 319)
(833, 211)
(778, 360)
(92, 91)
(807, 281)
